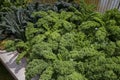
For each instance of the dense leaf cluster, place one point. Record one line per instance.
(71, 43)
(61, 49)
(10, 45)
(14, 19)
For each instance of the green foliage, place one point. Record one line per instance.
(13, 19)
(72, 51)
(10, 45)
(6, 4)
(13, 22)
(72, 44)
(64, 67)
(112, 15)
(47, 74)
(101, 34)
(30, 31)
(74, 76)
(51, 40)
(21, 46)
(23, 49)
(35, 67)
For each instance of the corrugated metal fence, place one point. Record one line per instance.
(101, 5)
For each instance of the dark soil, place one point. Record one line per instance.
(4, 74)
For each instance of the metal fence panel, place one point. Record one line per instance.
(108, 4)
(103, 5)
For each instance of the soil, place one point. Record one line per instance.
(4, 74)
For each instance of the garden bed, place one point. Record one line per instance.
(62, 41)
(9, 61)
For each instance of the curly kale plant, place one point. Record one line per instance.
(72, 45)
(60, 49)
(10, 45)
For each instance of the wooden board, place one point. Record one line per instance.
(9, 61)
